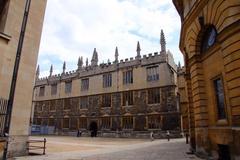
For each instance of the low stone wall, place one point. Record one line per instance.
(127, 134)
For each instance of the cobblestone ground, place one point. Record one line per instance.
(113, 149)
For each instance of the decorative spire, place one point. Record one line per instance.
(94, 60)
(116, 55)
(179, 64)
(51, 71)
(37, 72)
(80, 63)
(87, 62)
(138, 50)
(64, 67)
(162, 42)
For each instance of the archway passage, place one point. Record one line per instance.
(93, 129)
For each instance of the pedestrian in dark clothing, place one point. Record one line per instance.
(168, 135)
(79, 133)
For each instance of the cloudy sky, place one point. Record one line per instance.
(74, 28)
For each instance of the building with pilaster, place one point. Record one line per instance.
(210, 43)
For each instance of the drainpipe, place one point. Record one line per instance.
(15, 75)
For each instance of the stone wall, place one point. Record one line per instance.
(140, 110)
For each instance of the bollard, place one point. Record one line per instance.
(44, 146)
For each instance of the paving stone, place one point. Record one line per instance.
(116, 149)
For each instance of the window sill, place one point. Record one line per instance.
(85, 90)
(128, 106)
(83, 109)
(222, 122)
(153, 104)
(106, 107)
(124, 129)
(127, 84)
(152, 81)
(107, 87)
(5, 37)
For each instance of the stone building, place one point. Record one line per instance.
(183, 99)
(125, 98)
(11, 20)
(210, 43)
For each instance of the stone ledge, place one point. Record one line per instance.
(5, 37)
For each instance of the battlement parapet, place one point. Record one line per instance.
(89, 71)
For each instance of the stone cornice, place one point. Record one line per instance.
(189, 18)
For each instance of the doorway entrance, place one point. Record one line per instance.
(93, 128)
(224, 152)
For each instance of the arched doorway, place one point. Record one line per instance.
(93, 128)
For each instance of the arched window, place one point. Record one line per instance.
(209, 38)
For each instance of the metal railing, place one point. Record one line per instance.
(3, 115)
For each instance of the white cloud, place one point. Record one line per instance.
(73, 28)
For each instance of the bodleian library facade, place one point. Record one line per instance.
(126, 98)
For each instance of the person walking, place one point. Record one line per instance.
(79, 133)
(168, 135)
(151, 136)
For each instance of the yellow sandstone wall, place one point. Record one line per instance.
(223, 60)
(19, 127)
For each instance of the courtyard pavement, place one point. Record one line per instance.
(83, 148)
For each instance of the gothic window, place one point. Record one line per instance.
(42, 91)
(73, 123)
(154, 122)
(51, 122)
(85, 84)
(44, 121)
(127, 122)
(127, 98)
(45, 106)
(208, 39)
(106, 100)
(65, 122)
(53, 89)
(128, 77)
(153, 73)
(107, 80)
(75, 103)
(38, 106)
(68, 87)
(83, 123)
(153, 96)
(67, 103)
(219, 93)
(83, 102)
(52, 105)
(39, 121)
(106, 123)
